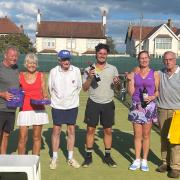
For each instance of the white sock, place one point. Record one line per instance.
(55, 155)
(144, 161)
(70, 155)
(137, 161)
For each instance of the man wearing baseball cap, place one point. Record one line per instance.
(64, 54)
(64, 86)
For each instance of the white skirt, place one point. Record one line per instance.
(29, 118)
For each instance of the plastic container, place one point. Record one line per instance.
(17, 100)
(40, 101)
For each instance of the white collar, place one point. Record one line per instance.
(176, 71)
(61, 70)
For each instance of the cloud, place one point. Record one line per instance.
(28, 8)
(120, 13)
(31, 26)
(2, 13)
(6, 5)
(104, 8)
(21, 17)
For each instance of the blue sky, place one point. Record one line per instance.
(120, 13)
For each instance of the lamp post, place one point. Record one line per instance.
(140, 31)
(71, 38)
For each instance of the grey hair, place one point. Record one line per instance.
(13, 48)
(170, 52)
(30, 58)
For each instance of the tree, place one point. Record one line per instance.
(112, 45)
(21, 41)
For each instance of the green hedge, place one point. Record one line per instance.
(123, 64)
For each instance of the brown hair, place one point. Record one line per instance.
(146, 52)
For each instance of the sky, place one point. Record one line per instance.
(119, 14)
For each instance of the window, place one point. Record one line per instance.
(91, 43)
(71, 43)
(49, 43)
(163, 43)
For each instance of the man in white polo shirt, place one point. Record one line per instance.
(64, 86)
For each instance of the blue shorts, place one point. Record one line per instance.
(61, 116)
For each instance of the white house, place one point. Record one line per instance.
(78, 37)
(156, 40)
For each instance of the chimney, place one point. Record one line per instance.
(21, 29)
(104, 14)
(169, 23)
(38, 17)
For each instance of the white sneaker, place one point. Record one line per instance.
(144, 166)
(73, 163)
(53, 164)
(135, 165)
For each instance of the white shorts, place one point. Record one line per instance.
(29, 118)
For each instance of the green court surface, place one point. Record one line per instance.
(122, 151)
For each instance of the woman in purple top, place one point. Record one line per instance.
(143, 110)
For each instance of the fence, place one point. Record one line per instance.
(123, 64)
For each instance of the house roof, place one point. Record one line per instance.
(147, 31)
(177, 31)
(70, 29)
(90, 52)
(48, 51)
(8, 27)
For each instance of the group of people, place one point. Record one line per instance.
(163, 89)
(99, 79)
(32, 83)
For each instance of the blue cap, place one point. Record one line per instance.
(64, 54)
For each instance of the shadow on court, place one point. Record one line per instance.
(13, 142)
(123, 142)
(81, 140)
(63, 145)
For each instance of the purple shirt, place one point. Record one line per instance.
(140, 83)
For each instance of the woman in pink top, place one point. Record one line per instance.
(32, 83)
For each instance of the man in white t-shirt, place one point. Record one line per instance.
(64, 86)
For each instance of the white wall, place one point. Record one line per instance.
(178, 47)
(159, 52)
(81, 44)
